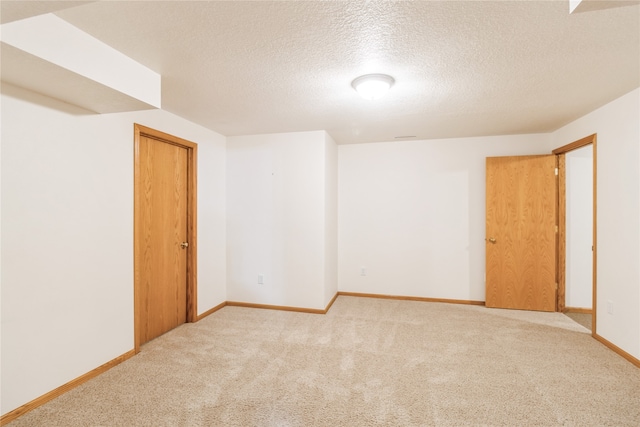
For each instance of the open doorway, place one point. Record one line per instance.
(576, 234)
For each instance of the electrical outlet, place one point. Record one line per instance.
(609, 306)
(363, 271)
(260, 279)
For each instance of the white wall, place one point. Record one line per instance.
(212, 213)
(276, 219)
(618, 215)
(413, 214)
(331, 219)
(67, 219)
(579, 202)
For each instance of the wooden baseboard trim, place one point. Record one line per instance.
(276, 307)
(578, 310)
(326, 309)
(10, 416)
(272, 307)
(407, 298)
(269, 307)
(617, 349)
(211, 311)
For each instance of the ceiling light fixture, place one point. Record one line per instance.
(372, 86)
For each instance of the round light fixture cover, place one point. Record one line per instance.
(372, 86)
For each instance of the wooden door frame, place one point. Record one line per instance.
(562, 230)
(192, 161)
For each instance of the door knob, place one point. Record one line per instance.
(184, 245)
(492, 240)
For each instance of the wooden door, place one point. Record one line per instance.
(521, 232)
(161, 236)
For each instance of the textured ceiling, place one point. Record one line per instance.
(14, 10)
(461, 68)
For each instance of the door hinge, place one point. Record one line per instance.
(556, 228)
(556, 171)
(556, 286)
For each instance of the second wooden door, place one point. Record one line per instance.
(521, 232)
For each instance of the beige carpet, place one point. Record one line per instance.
(368, 362)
